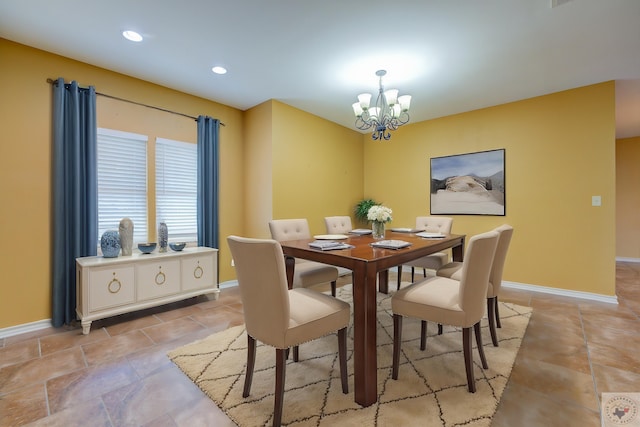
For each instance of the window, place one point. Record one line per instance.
(122, 181)
(177, 188)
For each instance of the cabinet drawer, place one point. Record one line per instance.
(158, 279)
(110, 287)
(199, 272)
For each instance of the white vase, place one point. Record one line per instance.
(126, 236)
(163, 237)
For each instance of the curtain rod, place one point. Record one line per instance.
(51, 81)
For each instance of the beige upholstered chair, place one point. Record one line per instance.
(338, 224)
(450, 302)
(280, 317)
(430, 224)
(306, 273)
(453, 270)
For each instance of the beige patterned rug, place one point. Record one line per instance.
(431, 389)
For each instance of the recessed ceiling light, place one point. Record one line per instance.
(219, 70)
(132, 35)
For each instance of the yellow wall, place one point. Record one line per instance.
(283, 163)
(317, 167)
(560, 150)
(258, 193)
(25, 163)
(628, 198)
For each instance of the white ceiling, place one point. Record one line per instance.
(451, 56)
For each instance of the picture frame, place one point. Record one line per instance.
(468, 184)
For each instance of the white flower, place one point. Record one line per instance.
(379, 213)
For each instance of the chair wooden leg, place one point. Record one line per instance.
(424, 272)
(483, 359)
(413, 270)
(468, 359)
(399, 276)
(397, 339)
(281, 366)
(498, 324)
(296, 353)
(333, 288)
(491, 315)
(251, 361)
(342, 354)
(423, 334)
(439, 328)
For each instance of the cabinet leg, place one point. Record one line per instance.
(86, 327)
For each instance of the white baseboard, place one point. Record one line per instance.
(24, 328)
(622, 259)
(228, 284)
(562, 292)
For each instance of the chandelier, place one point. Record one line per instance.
(390, 111)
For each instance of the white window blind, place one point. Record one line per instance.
(122, 181)
(176, 188)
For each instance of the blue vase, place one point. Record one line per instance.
(110, 243)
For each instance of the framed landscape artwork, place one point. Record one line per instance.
(468, 184)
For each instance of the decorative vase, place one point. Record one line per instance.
(163, 237)
(110, 243)
(377, 229)
(126, 236)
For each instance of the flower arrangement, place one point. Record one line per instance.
(379, 213)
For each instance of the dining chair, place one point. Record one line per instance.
(453, 270)
(306, 273)
(338, 224)
(451, 302)
(280, 317)
(430, 224)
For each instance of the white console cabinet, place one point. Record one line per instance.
(109, 286)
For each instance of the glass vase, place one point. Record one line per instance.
(377, 229)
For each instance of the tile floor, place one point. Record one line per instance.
(119, 374)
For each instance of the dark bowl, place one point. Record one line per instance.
(177, 246)
(147, 248)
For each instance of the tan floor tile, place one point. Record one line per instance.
(219, 318)
(148, 399)
(36, 334)
(521, 406)
(132, 325)
(614, 356)
(19, 352)
(90, 413)
(169, 331)
(52, 343)
(602, 334)
(201, 412)
(90, 383)
(560, 346)
(115, 347)
(37, 371)
(177, 313)
(163, 421)
(556, 382)
(149, 360)
(23, 406)
(612, 380)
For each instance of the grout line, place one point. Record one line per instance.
(593, 376)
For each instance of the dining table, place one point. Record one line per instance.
(370, 270)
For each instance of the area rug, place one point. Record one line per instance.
(431, 389)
